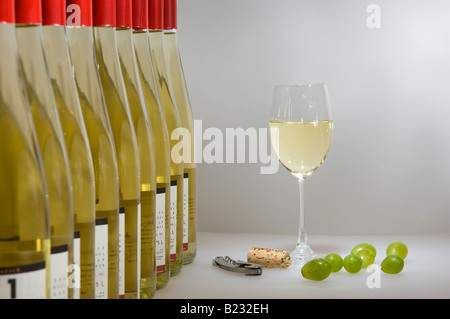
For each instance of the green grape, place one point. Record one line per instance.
(336, 262)
(364, 246)
(366, 256)
(397, 248)
(352, 263)
(316, 269)
(392, 264)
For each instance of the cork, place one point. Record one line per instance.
(269, 258)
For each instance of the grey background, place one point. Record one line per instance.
(388, 168)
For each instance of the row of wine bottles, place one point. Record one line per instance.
(97, 195)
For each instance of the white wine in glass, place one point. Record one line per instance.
(301, 129)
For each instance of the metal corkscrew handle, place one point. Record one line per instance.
(239, 266)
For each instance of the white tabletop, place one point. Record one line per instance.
(425, 274)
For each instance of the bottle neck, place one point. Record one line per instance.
(156, 40)
(8, 61)
(170, 38)
(154, 105)
(80, 42)
(55, 47)
(126, 51)
(61, 72)
(34, 64)
(105, 42)
(105, 36)
(170, 31)
(13, 99)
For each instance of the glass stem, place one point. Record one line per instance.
(302, 238)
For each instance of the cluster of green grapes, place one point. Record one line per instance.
(361, 256)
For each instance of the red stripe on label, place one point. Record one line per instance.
(161, 269)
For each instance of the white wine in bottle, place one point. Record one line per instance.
(105, 41)
(158, 123)
(173, 122)
(51, 142)
(187, 122)
(81, 49)
(145, 141)
(77, 144)
(24, 216)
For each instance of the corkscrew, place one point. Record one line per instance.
(239, 266)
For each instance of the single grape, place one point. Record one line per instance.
(397, 248)
(336, 262)
(392, 264)
(317, 269)
(366, 256)
(352, 263)
(364, 246)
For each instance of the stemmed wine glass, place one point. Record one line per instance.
(301, 129)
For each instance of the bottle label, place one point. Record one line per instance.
(173, 221)
(59, 261)
(122, 253)
(185, 211)
(75, 286)
(23, 282)
(160, 251)
(101, 258)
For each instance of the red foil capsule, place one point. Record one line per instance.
(28, 11)
(170, 14)
(123, 13)
(155, 14)
(79, 13)
(7, 12)
(140, 14)
(54, 12)
(104, 13)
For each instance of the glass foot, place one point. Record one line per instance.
(302, 254)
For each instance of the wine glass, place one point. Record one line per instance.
(301, 129)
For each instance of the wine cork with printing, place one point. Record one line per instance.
(269, 258)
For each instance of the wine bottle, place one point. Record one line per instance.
(104, 13)
(158, 123)
(24, 217)
(51, 141)
(82, 54)
(187, 122)
(145, 142)
(77, 144)
(173, 122)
